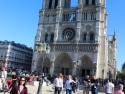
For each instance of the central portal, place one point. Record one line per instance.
(65, 71)
(63, 64)
(86, 67)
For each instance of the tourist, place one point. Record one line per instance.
(109, 87)
(18, 73)
(46, 80)
(69, 85)
(14, 78)
(3, 77)
(31, 78)
(94, 87)
(120, 90)
(86, 85)
(58, 84)
(77, 82)
(20, 88)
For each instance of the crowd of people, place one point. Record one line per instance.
(60, 83)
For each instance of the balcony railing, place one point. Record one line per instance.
(74, 47)
(71, 42)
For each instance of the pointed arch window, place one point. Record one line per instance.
(50, 4)
(91, 37)
(93, 2)
(52, 37)
(67, 3)
(84, 37)
(86, 15)
(46, 37)
(56, 3)
(92, 15)
(87, 2)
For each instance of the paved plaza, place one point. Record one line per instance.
(46, 90)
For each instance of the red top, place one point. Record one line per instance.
(30, 78)
(9, 82)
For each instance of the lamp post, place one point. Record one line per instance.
(44, 48)
(103, 74)
(78, 63)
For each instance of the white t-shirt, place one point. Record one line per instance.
(109, 87)
(3, 74)
(21, 88)
(58, 82)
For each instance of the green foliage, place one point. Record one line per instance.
(35, 79)
(121, 75)
(10, 76)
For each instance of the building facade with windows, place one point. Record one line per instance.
(76, 33)
(15, 55)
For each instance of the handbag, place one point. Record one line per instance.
(58, 88)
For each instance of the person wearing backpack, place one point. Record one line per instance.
(94, 87)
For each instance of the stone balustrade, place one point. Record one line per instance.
(74, 47)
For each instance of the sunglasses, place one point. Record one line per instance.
(22, 80)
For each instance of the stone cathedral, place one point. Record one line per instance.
(75, 33)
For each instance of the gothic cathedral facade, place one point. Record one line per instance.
(76, 34)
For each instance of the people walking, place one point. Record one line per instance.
(20, 88)
(46, 80)
(120, 90)
(94, 87)
(31, 78)
(109, 87)
(69, 85)
(3, 77)
(77, 82)
(86, 85)
(14, 78)
(58, 84)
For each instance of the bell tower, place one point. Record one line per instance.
(91, 2)
(50, 4)
(66, 3)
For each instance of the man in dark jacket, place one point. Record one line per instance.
(86, 85)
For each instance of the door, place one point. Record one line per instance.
(88, 72)
(67, 71)
(83, 72)
(63, 71)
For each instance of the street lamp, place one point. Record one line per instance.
(78, 63)
(103, 74)
(42, 47)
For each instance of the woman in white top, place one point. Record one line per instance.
(68, 85)
(58, 83)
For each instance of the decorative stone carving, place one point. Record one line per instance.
(68, 34)
(88, 28)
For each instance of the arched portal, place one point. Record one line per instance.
(86, 66)
(46, 65)
(63, 64)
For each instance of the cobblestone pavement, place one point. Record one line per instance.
(46, 90)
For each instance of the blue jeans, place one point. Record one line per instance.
(95, 91)
(68, 91)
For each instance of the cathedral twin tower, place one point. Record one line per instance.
(73, 34)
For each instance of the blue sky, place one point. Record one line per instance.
(19, 19)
